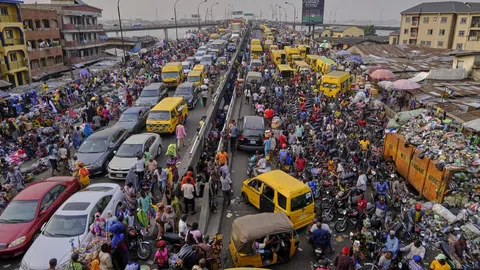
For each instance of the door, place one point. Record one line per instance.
(142, 120)
(253, 192)
(148, 146)
(267, 199)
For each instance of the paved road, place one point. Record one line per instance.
(191, 126)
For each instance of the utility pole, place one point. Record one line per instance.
(175, 17)
(121, 31)
(198, 13)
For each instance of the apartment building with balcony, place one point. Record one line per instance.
(81, 37)
(42, 33)
(13, 50)
(447, 25)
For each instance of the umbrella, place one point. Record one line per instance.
(355, 59)
(343, 53)
(160, 44)
(325, 45)
(372, 69)
(84, 72)
(385, 84)
(143, 51)
(189, 35)
(4, 94)
(405, 85)
(383, 74)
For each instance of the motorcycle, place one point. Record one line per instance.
(136, 242)
(173, 240)
(349, 216)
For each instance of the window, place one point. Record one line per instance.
(461, 33)
(426, 19)
(44, 62)
(434, 19)
(149, 143)
(407, 19)
(463, 20)
(256, 184)
(51, 197)
(459, 46)
(459, 64)
(268, 192)
(8, 34)
(3, 11)
(404, 41)
(429, 32)
(441, 32)
(444, 20)
(282, 201)
(13, 57)
(440, 44)
(428, 43)
(405, 31)
(422, 42)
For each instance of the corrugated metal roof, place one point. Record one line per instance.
(444, 7)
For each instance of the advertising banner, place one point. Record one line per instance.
(312, 11)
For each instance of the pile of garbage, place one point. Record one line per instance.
(437, 139)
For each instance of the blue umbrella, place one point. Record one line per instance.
(4, 94)
(355, 59)
(342, 53)
(84, 72)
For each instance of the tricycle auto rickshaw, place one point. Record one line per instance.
(262, 239)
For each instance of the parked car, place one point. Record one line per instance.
(127, 153)
(98, 148)
(189, 92)
(22, 220)
(231, 47)
(71, 224)
(252, 131)
(198, 56)
(133, 119)
(151, 95)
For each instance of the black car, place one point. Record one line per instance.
(151, 95)
(133, 119)
(189, 92)
(231, 47)
(252, 130)
(97, 150)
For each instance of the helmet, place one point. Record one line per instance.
(418, 206)
(284, 146)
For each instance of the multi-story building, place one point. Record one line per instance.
(42, 34)
(343, 31)
(13, 49)
(81, 35)
(447, 25)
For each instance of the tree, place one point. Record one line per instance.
(369, 30)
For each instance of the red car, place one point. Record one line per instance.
(25, 215)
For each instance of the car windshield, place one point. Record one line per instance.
(159, 115)
(149, 93)
(183, 91)
(66, 226)
(170, 75)
(128, 117)
(193, 78)
(129, 150)
(93, 146)
(186, 66)
(200, 54)
(19, 211)
(301, 201)
(253, 132)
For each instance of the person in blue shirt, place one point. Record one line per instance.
(391, 244)
(320, 238)
(381, 187)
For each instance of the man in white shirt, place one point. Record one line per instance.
(226, 189)
(361, 181)
(261, 165)
(320, 225)
(182, 226)
(188, 198)
(140, 168)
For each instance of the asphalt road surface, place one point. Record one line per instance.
(191, 125)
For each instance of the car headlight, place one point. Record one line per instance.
(17, 241)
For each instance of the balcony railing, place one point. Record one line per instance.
(473, 38)
(413, 35)
(76, 60)
(13, 41)
(44, 52)
(82, 27)
(9, 18)
(414, 23)
(17, 65)
(83, 43)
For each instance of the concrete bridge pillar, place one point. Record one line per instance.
(117, 34)
(165, 33)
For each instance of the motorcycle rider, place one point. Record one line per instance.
(415, 216)
(252, 162)
(391, 244)
(392, 223)
(415, 263)
(343, 260)
(414, 249)
(381, 187)
(320, 238)
(261, 165)
(399, 189)
(319, 225)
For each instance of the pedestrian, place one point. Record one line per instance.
(222, 157)
(343, 260)
(151, 165)
(248, 94)
(105, 257)
(226, 189)
(204, 95)
(161, 175)
(233, 136)
(161, 256)
(180, 134)
(52, 263)
(52, 157)
(188, 199)
(139, 168)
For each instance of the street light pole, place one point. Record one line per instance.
(225, 13)
(198, 12)
(175, 12)
(211, 11)
(294, 14)
(121, 31)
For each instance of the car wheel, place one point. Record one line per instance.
(159, 150)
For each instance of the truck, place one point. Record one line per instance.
(236, 28)
(422, 173)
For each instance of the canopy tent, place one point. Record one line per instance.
(447, 74)
(343, 53)
(354, 58)
(374, 68)
(385, 84)
(325, 45)
(4, 94)
(383, 74)
(247, 229)
(405, 85)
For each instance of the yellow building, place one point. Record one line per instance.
(393, 38)
(343, 31)
(468, 60)
(13, 50)
(447, 25)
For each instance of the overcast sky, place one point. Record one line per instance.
(345, 9)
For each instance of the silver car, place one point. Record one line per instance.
(151, 95)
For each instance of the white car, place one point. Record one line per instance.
(127, 153)
(71, 225)
(198, 56)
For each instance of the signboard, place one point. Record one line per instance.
(237, 14)
(312, 11)
(248, 14)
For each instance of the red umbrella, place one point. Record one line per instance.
(405, 85)
(372, 69)
(383, 75)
